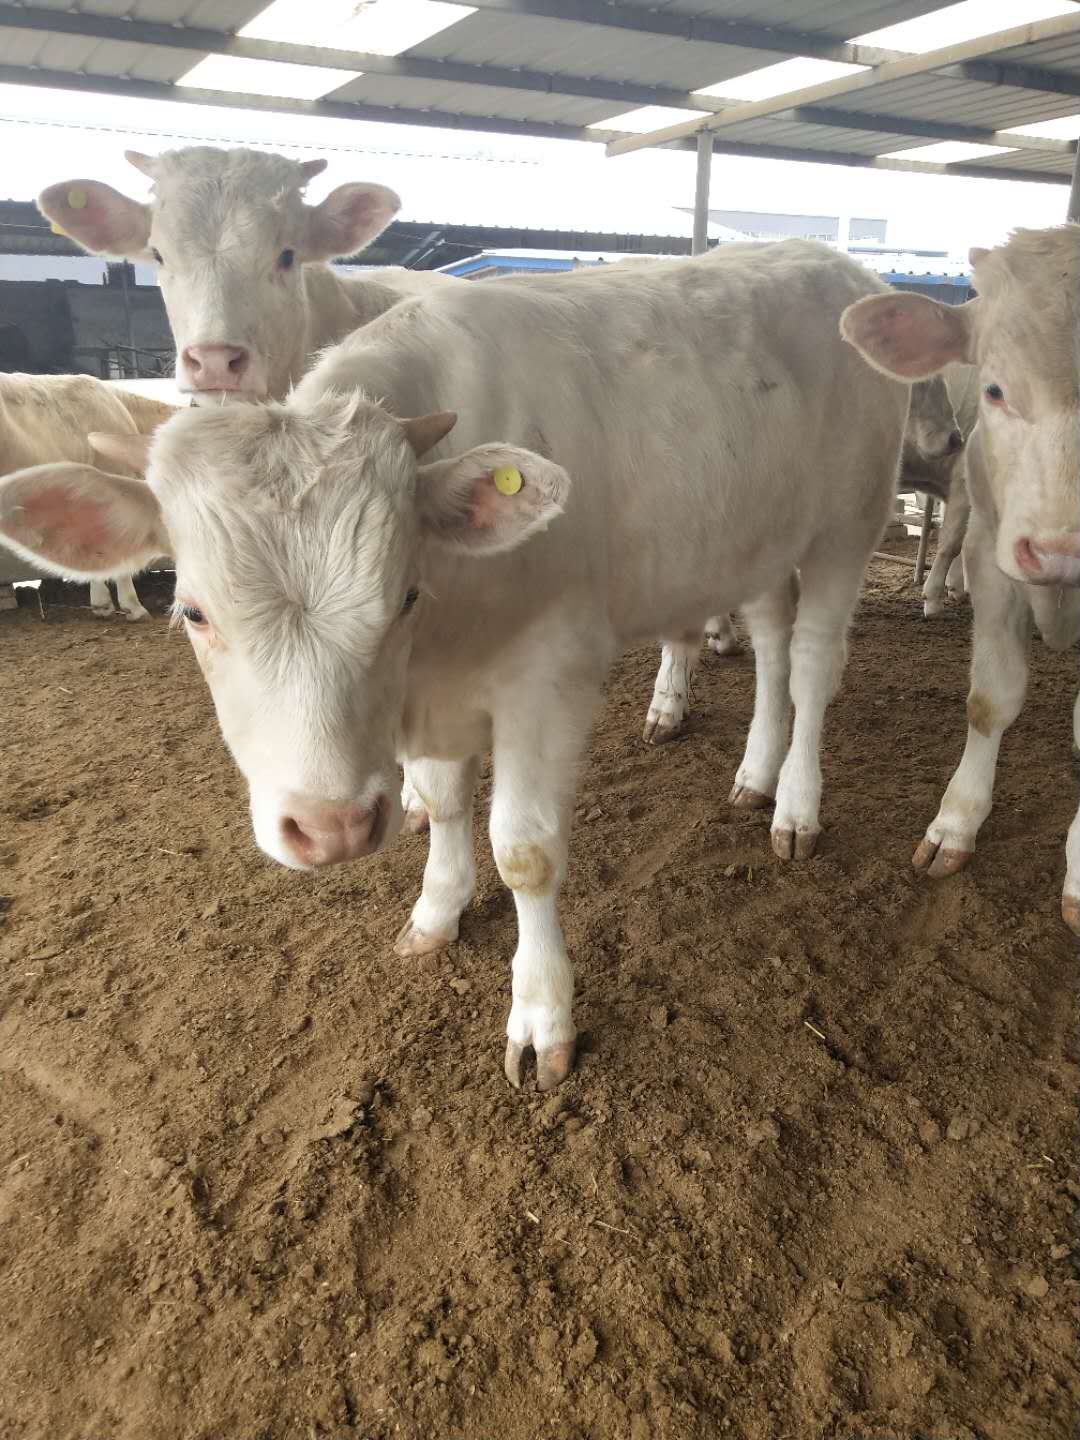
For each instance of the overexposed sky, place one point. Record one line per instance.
(459, 177)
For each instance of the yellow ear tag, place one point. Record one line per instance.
(507, 480)
(76, 199)
(57, 231)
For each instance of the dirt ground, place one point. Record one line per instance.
(261, 1181)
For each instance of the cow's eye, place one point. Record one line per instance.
(157, 257)
(994, 394)
(411, 596)
(287, 259)
(193, 616)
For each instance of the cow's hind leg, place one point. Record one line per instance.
(537, 750)
(128, 600)
(829, 581)
(101, 601)
(769, 619)
(671, 694)
(1000, 633)
(446, 789)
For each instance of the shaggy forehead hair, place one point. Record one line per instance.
(288, 518)
(253, 173)
(1032, 286)
(203, 195)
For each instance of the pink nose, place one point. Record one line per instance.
(216, 367)
(319, 832)
(1050, 562)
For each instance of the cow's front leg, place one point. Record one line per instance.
(1000, 633)
(1070, 899)
(671, 694)
(416, 817)
(128, 600)
(101, 602)
(445, 788)
(769, 619)
(536, 756)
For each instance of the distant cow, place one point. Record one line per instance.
(1022, 551)
(945, 479)
(239, 257)
(48, 417)
(688, 434)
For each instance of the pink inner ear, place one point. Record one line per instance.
(67, 522)
(485, 503)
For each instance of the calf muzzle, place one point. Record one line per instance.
(1051, 561)
(319, 832)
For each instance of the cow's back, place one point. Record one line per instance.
(705, 409)
(48, 418)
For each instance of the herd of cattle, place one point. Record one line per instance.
(455, 504)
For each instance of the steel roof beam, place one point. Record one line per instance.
(905, 125)
(353, 110)
(674, 26)
(911, 65)
(216, 42)
(107, 27)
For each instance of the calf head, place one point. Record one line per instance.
(1022, 334)
(229, 231)
(300, 535)
(931, 424)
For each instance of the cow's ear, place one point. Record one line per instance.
(491, 498)
(348, 219)
(98, 218)
(910, 337)
(78, 521)
(130, 450)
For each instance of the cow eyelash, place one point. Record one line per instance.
(411, 597)
(191, 613)
(157, 257)
(286, 259)
(994, 394)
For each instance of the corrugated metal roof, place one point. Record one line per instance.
(548, 67)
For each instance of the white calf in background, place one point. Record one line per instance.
(240, 259)
(1022, 550)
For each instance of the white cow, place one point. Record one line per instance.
(48, 417)
(1022, 552)
(932, 447)
(350, 606)
(239, 255)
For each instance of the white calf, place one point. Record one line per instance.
(239, 256)
(1022, 550)
(350, 606)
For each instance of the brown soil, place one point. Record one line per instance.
(259, 1179)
